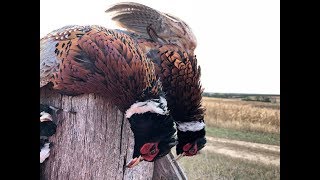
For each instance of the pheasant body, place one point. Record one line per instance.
(93, 59)
(169, 43)
(180, 77)
(138, 70)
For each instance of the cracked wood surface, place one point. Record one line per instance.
(95, 143)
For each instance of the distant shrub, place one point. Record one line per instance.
(247, 98)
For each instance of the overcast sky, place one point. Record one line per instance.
(238, 41)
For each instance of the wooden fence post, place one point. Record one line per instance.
(95, 143)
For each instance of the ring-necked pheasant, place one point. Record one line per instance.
(47, 129)
(93, 59)
(169, 43)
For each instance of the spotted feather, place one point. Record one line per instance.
(93, 59)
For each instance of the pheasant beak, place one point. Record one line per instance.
(134, 162)
(179, 156)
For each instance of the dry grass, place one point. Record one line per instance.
(242, 120)
(212, 166)
(242, 115)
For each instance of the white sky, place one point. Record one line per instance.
(238, 41)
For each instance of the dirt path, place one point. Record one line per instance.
(268, 154)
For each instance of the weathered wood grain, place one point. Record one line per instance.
(167, 169)
(96, 143)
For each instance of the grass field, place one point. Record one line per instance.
(212, 166)
(242, 115)
(249, 121)
(242, 135)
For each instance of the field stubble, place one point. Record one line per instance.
(242, 115)
(247, 121)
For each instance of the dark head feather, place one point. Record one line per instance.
(152, 127)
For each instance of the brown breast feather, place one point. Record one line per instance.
(94, 59)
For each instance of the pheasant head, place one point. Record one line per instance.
(153, 130)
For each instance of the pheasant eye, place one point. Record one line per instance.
(192, 151)
(149, 148)
(187, 147)
(153, 150)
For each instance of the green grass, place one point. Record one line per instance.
(208, 165)
(257, 137)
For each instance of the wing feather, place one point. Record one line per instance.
(152, 24)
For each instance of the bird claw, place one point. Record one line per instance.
(57, 110)
(179, 157)
(134, 162)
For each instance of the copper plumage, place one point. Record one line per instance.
(169, 43)
(93, 59)
(126, 66)
(180, 77)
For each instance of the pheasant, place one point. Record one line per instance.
(170, 43)
(92, 59)
(47, 129)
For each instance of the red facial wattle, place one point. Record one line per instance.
(190, 149)
(149, 151)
